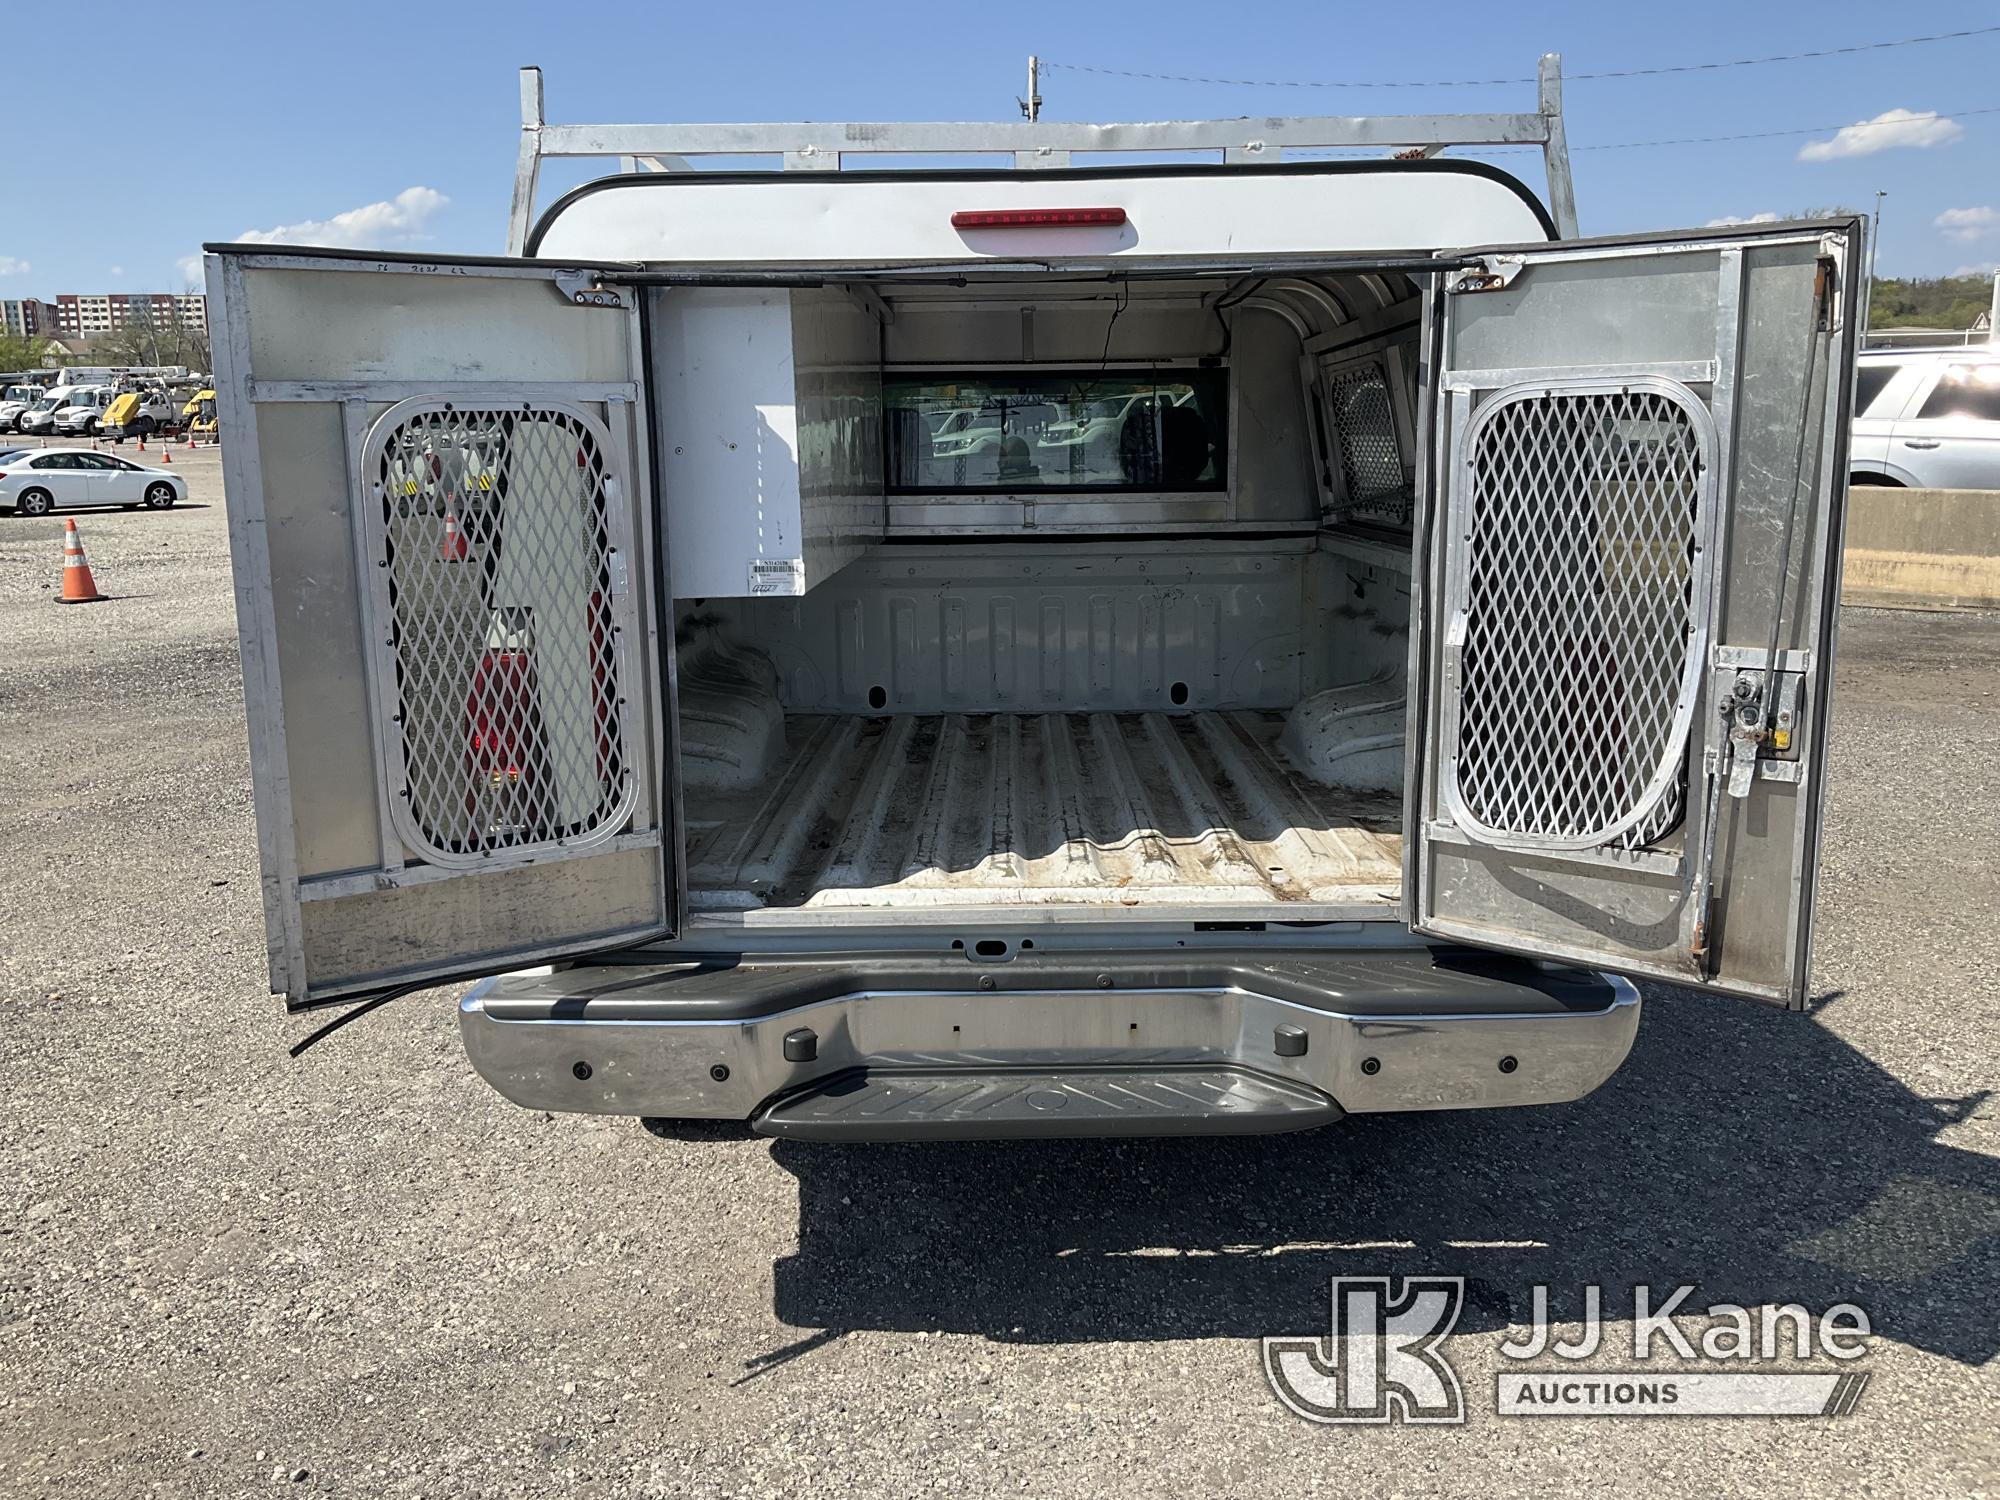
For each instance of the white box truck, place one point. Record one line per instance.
(1048, 649)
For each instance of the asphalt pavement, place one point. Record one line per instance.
(364, 1273)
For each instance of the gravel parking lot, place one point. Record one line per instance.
(364, 1273)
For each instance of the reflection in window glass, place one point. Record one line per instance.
(1058, 430)
(1965, 391)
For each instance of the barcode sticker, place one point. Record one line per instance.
(778, 575)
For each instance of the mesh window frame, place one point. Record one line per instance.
(1660, 803)
(1384, 367)
(610, 615)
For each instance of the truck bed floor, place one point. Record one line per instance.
(1119, 809)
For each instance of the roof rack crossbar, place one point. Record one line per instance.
(1038, 144)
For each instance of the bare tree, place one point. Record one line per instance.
(149, 338)
(200, 349)
(127, 344)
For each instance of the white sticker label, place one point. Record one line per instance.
(778, 575)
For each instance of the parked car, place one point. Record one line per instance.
(85, 413)
(35, 481)
(15, 400)
(1927, 419)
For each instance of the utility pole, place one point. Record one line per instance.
(1874, 249)
(1032, 105)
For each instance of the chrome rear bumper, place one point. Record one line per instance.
(1379, 1032)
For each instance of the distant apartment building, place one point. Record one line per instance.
(25, 316)
(87, 316)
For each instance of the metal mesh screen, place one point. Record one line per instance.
(1364, 428)
(502, 581)
(1580, 513)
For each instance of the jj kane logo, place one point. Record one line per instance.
(1383, 1359)
(1382, 1362)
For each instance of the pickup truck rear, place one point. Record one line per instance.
(1041, 650)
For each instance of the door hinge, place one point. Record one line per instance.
(583, 289)
(1494, 273)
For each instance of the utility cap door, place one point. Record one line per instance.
(1636, 473)
(440, 519)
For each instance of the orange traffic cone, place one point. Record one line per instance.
(166, 455)
(78, 586)
(452, 548)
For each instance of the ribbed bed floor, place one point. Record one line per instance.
(1008, 809)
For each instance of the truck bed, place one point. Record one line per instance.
(1119, 809)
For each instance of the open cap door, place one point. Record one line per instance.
(440, 517)
(1636, 469)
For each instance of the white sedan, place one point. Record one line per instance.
(36, 481)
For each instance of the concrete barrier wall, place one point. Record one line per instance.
(1922, 549)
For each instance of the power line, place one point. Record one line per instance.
(1946, 115)
(1453, 83)
(1765, 135)
(1753, 62)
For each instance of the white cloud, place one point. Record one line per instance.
(1982, 268)
(1968, 224)
(395, 222)
(1767, 217)
(117, 270)
(374, 226)
(9, 266)
(1887, 131)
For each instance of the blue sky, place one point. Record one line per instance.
(394, 125)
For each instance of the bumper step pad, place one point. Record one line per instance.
(1010, 1104)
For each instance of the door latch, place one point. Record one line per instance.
(1759, 738)
(1746, 735)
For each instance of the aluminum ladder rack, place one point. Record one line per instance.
(1040, 144)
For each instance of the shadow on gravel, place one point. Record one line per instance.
(90, 520)
(1747, 1151)
(82, 513)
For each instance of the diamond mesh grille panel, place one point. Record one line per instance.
(495, 533)
(1364, 427)
(1579, 613)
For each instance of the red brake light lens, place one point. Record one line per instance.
(1036, 218)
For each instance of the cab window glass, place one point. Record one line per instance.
(1965, 391)
(1092, 430)
(1869, 381)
